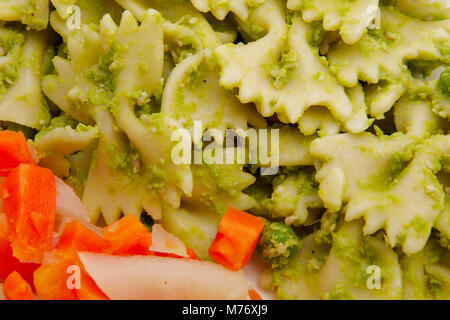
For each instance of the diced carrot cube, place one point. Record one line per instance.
(29, 202)
(8, 263)
(13, 151)
(128, 236)
(236, 239)
(16, 288)
(192, 254)
(78, 237)
(62, 277)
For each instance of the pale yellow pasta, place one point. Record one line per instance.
(134, 45)
(23, 102)
(221, 8)
(285, 76)
(352, 18)
(33, 13)
(409, 207)
(340, 272)
(425, 9)
(380, 57)
(116, 182)
(55, 144)
(292, 198)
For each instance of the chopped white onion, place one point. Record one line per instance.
(161, 278)
(162, 241)
(69, 208)
(33, 152)
(68, 203)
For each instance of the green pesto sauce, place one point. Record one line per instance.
(355, 255)
(376, 40)
(315, 35)
(386, 177)
(281, 72)
(261, 193)
(30, 16)
(306, 183)
(12, 47)
(444, 82)
(101, 73)
(278, 244)
(420, 225)
(61, 121)
(181, 49)
(341, 292)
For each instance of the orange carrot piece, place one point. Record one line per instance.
(78, 237)
(128, 236)
(254, 295)
(13, 151)
(236, 239)
(16, 288)
(29, 201)
(192, 254)
(62, 277)
(50, 279)
(8, 263)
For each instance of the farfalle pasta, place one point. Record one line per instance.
(332, 116)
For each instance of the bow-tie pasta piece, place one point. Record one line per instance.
(415, 118)
(118, 180)
(352, 18)
(22, 56)
(220, 8)
(319, 271)
(91, 11)
(218, 186)
(414, 115)
(82, 80)
(33, 13)
(409, 206)
(320, 120)
(137, 68)
(193, 93)
(382, 96)
(180, 12)
(381, 56)
(225, 30)
(196, 227)
(285, 75)
(425, 9)
(63, 137)
(294, 148)
(349, 161)
(425, 274)
(292, 198)
(106, 70)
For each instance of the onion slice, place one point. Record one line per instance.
(161, 278)
(164, 242)
(68, 203)
(69, 208)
